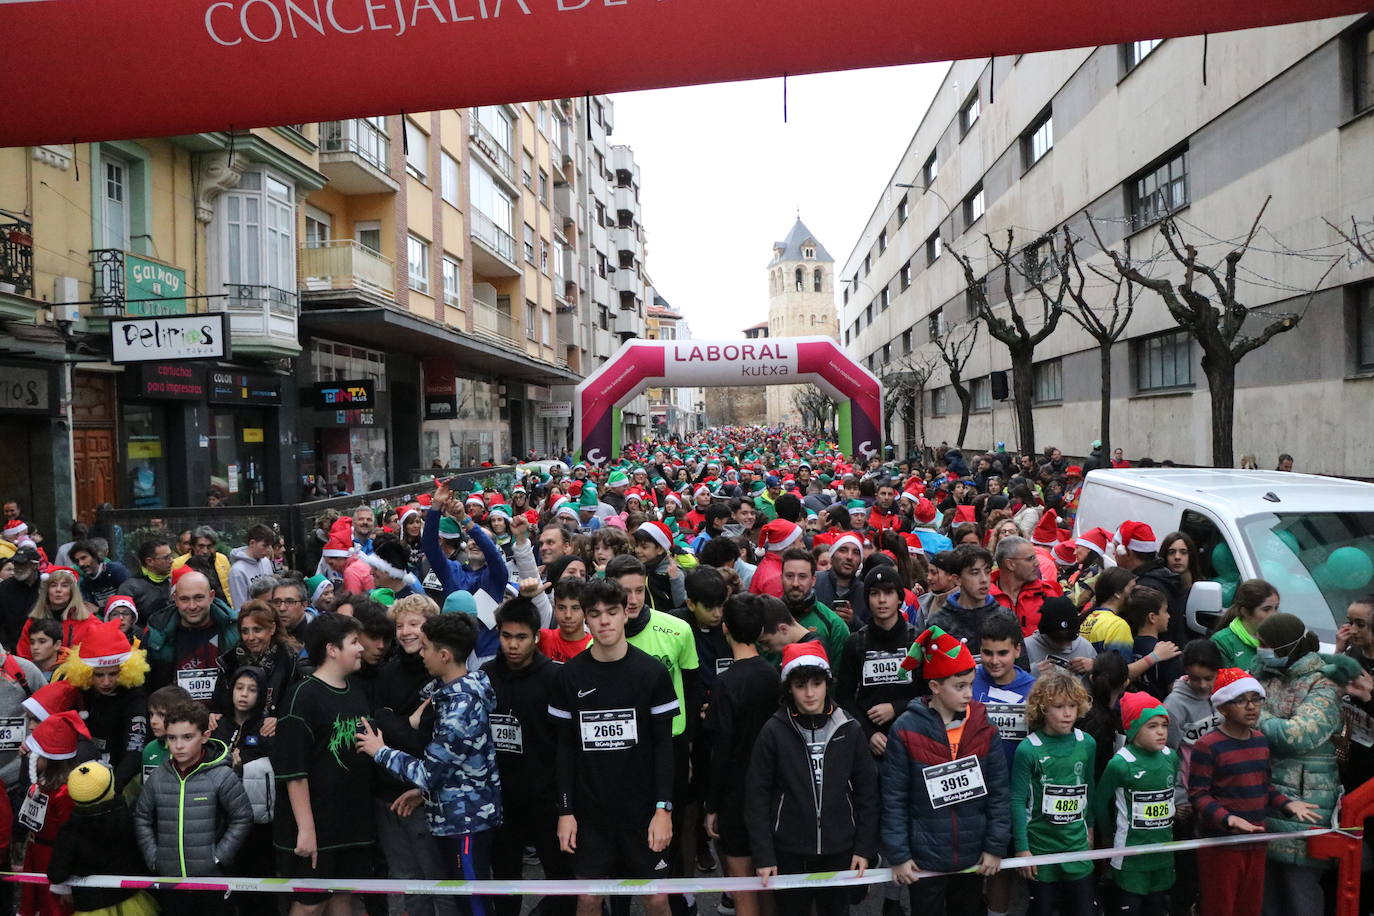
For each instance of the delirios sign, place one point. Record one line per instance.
(168, 339)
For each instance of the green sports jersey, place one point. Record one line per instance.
(1052, 791)
(1135, 806)
(669, 640)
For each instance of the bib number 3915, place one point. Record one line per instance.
(954, 782)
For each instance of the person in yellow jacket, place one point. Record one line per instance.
(203, 541)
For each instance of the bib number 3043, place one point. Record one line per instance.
(954, 782)
(608, 729)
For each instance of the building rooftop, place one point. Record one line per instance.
(790, 249)
(757, 327)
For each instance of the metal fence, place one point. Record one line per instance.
(293, 521)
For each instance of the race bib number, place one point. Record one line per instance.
(1010, 719)
(507, 734)
(11, 733)
(432, 582)
(881, 668)
(1152, 810)
(148, 770)
(198, 682)
(1361, 725)
(34, 810)
(1063, 804)
(609, 729)
(723, 665)
(958, 781)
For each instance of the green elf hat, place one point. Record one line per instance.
(938, 655)
(588, 498)
(1137, 709)
(500, 510)
(856, 504)
(757, 487)
(448, 528)
(618, 478)
(383, 596)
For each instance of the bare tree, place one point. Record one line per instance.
(815, 407)
(1013, 331)
(1216, 319)
(954, 349)
(904, 383)
(1361, 240)
(1105, 324)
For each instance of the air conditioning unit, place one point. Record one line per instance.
(65, 295)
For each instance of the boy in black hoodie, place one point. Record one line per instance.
(523, 678)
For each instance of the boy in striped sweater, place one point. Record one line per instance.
(1228, 784)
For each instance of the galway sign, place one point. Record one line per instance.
(643, 364)
(292, 61)
(167, 339)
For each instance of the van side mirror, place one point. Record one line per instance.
(1204, 606)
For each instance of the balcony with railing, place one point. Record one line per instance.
(16, 254)
(485, 141)
(262, 319)
(494, 253)
(356, 156)
(343, 268)
(493, 323)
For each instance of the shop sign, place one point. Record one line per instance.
(441, 406)
(357, 395)
(145, 279)
(171, 381)
(144, 449)
(554, 410)
(441, 389)
(27, 389)
(252, 434)
(230, 387)
(137, 340)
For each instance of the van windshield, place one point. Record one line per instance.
(1318, 561)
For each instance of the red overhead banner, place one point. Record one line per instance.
(79, 70)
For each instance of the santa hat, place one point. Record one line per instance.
(1232, 684)
(938, 655)
(56, 736)
(1065, 553)
(104, 646)
(850, 539)
(671, 498)
(50, 699)
(15, 528)
(701, 488)
(1046, 533)
(449, 529)
(804, 655)
(406, 513)
(618, 478)
(659, 532)
(121, 601)
(913, 544)
(925, 511)
(1136, 536)
(1074, 470)
(965, 515)
(1136, 709)
(1096, 540)
(338, 547)
(779, 534)
(475, 499)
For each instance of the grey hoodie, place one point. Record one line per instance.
(242, 571)
(1190, 717)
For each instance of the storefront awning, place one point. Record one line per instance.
(390, 329)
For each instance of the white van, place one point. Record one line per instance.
(1311, 537)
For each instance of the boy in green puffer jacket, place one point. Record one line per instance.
(193, 814)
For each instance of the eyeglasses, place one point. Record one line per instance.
(285, 602)
(1250, 700)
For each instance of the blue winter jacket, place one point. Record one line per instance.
(455, 577)
(458, 771)
(950, 838)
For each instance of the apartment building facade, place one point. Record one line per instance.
(672, 411)
(1125, 134)
(444, 263)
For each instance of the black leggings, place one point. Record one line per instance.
(953, 895)
(823, 899)
(1063, 898)
(1129, 904)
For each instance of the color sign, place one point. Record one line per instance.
(145, 279)
(167, 339)
(230, 387)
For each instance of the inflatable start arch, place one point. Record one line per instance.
(688, 363)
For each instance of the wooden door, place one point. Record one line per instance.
(93, 459)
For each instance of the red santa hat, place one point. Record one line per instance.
(804, 655)
(1046, 533)
(965, 515)
(779, 534)
(1136, 536)
(15, 528)
(701, 488)
(406, 513)
(1232, 684)
(662, 536)
(1096, 540)
(56, 736)
(105, 646)
(851, 539)
(50, 699)
(1065, 553)
(925, 511)
(913, 544)
(338, 547)
(121, 601)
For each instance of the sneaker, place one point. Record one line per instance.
(893, 908)
(531, 856)
(706, 862)
(726, 907)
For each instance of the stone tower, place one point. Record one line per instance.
(801, 303)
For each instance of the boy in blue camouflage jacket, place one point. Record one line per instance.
(458, 771)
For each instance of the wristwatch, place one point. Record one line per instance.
(665, 806)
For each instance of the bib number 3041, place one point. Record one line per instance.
(951, 783)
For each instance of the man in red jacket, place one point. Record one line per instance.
(1016, 582)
